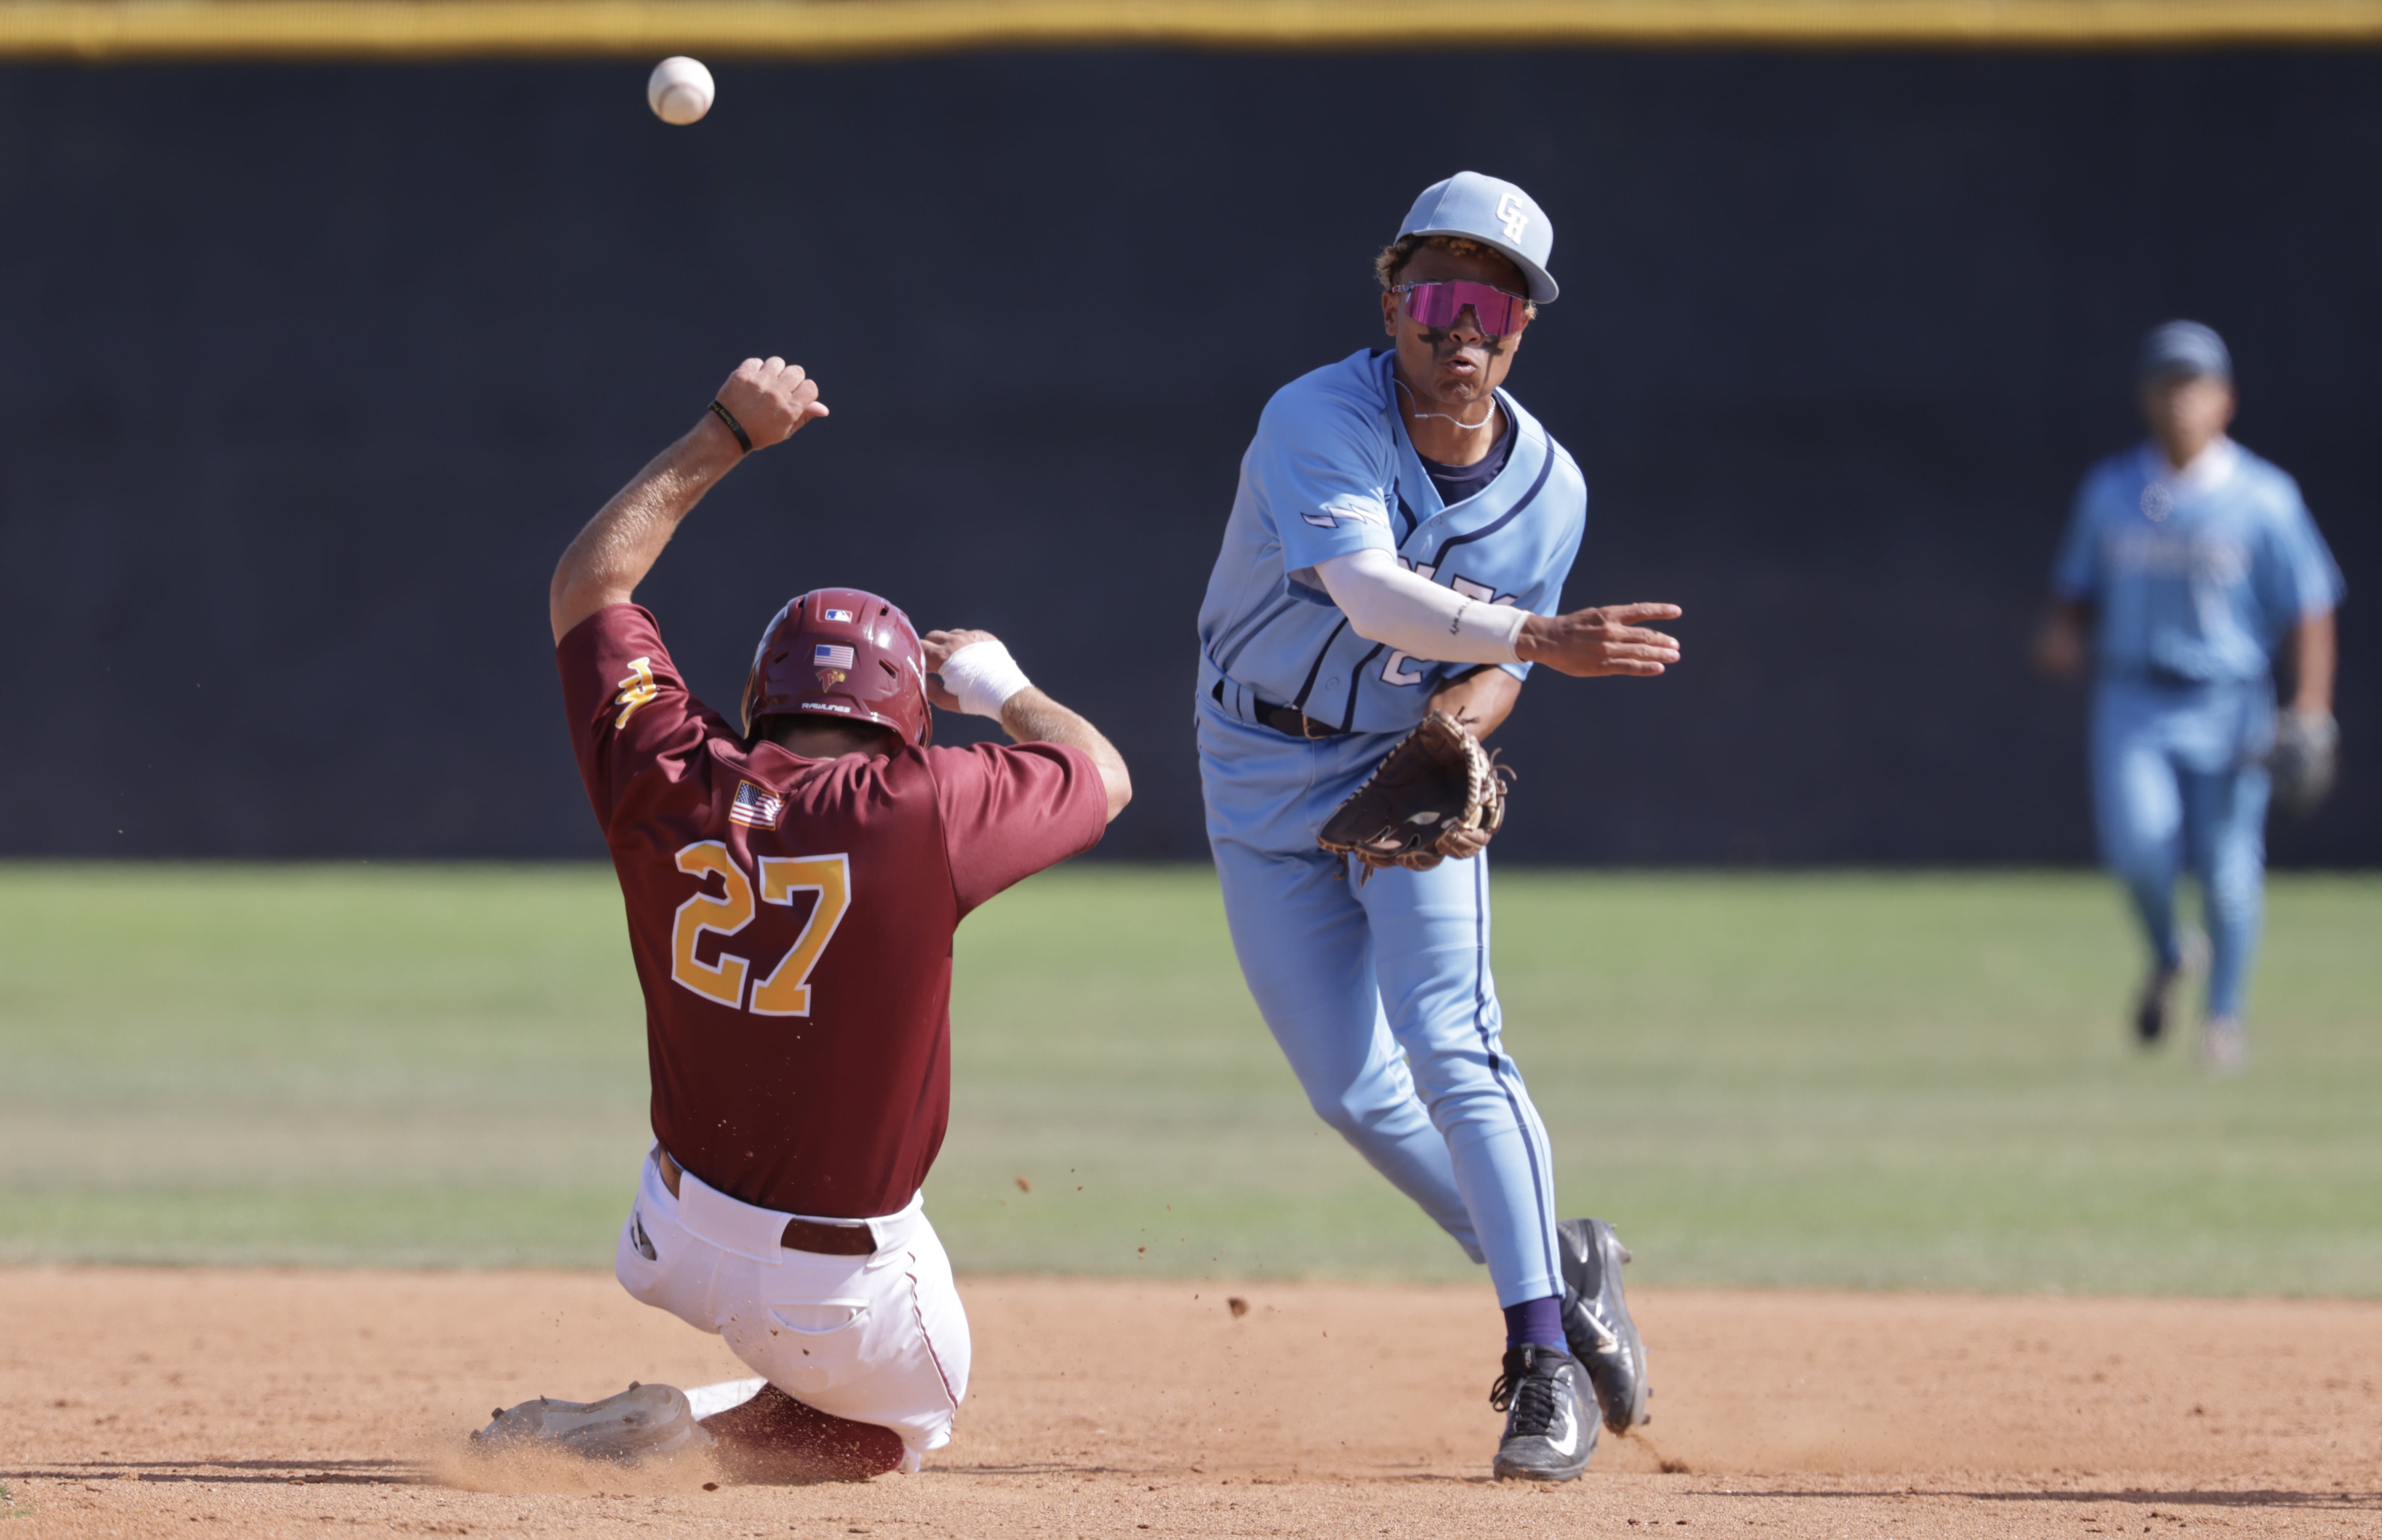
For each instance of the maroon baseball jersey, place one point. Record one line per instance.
(791, 920)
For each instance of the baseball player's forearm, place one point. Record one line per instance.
(765, 401)
(1481, 701)
(970, 670)
(2316, 651)
(1031, 716)
(620, 545)
(1385, 602)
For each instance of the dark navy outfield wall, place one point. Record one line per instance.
(307, 375)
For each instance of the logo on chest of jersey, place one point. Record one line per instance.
(2167, 553)
(755, 807)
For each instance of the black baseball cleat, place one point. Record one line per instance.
(2158, 1001)
(1596, 1321)
(1543, 1394)
(2151, 1010)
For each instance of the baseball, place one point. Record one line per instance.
(680, 90)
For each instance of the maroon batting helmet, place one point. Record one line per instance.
(842, 652)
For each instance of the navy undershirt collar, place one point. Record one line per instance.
(1456, 483)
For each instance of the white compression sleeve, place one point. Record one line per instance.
(984, 677)
(1387, 603)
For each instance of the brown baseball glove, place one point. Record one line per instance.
(1437, 794)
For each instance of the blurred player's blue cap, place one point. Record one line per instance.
(2184, 348)
(1493, 212)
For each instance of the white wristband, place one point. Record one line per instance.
(984, 677)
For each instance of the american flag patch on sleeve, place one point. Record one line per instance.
(754, 808)
(830, 655)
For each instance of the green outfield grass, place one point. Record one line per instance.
(1861, 1080)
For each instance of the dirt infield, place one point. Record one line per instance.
(141, 1402)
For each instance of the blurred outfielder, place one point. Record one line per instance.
(1393, 567)
(2189, 564)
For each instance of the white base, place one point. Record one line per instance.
(710, 1400)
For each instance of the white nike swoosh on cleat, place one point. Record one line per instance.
(1571, 1439)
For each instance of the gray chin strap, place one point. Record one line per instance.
(1440, 416)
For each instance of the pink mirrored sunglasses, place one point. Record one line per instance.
(1438, 305)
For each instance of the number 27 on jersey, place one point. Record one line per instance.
(787, 990)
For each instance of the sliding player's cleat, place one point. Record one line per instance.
(641, 1420)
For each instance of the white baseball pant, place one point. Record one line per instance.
(879, 1339)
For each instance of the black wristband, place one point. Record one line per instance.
(733, 426)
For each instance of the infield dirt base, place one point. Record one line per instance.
(138, 1402)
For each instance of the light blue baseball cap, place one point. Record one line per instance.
(1493, 212)
(2184, 348)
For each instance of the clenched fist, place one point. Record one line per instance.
(771, 399)
(940, 646)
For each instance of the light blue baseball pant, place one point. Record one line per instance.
(2177, 781)
(1381, 996)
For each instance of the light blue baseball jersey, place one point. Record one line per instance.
(1331, 472)
(2195, 576)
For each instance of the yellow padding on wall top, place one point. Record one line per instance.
(98, 30)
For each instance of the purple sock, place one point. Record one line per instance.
(1536, 1321)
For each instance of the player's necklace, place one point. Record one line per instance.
(1422, 416)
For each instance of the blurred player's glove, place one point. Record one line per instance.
(2306, 758)
(1437, 794)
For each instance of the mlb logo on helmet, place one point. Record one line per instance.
(845, 616)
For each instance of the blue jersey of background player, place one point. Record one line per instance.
(2189, 563)
(1398, 544)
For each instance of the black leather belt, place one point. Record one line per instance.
(1285, 721)
(1294, 724)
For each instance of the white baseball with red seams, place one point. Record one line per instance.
(680, 90)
